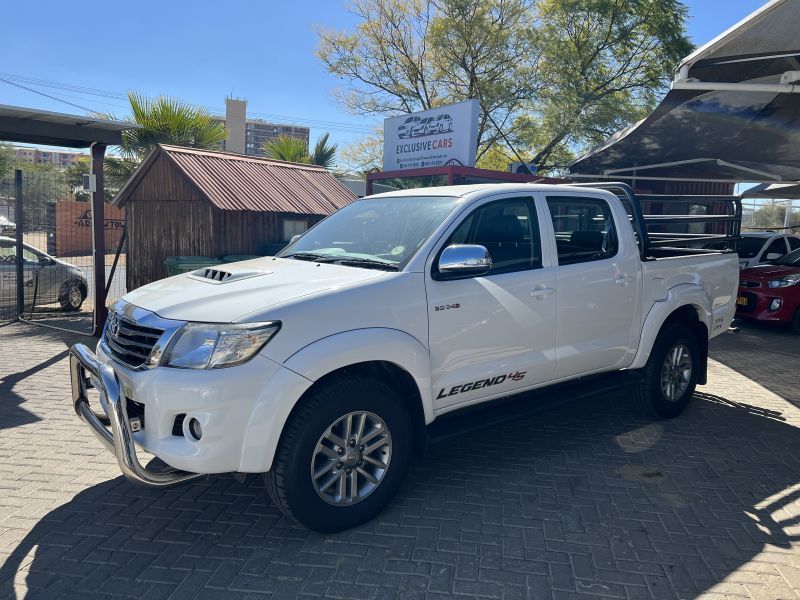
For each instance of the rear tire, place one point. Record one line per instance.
(670, 375)
(72, 295)
(309, 457)
(796, 321)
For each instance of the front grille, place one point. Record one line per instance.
(135, 409)
(132, 343)
(749, 284)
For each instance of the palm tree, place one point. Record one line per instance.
(324, 153)
(294, 149)
(163, 120)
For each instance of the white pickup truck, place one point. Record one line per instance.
(325, 367)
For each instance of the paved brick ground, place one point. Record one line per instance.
(586, 501)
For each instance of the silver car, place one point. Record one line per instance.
(51, 280)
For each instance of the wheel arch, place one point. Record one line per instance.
(387, 372)
(687, 305)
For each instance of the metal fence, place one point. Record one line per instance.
(46, 252)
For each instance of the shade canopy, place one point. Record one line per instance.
(733, 113)
(34, 126)
(788, 191)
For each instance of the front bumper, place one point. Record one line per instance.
(119, 441)
(759, 300)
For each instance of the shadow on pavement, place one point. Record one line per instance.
(765, 353)
(586, 498)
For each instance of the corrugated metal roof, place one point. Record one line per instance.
(237, 182)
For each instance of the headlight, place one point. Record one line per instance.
(787, 281)
(213, 346)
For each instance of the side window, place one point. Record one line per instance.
(8, 253)
(509, 231)
(778, 246)
(584, 229)
(794, 243)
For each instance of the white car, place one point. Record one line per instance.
(762, 247)
(327, 366)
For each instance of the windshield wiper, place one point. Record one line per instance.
(310, 256)
(367, 263)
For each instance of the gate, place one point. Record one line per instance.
(46, 264)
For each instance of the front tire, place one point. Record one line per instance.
(670, 375)
(342, 455)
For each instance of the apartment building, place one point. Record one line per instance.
(57, 158)
(247, 136)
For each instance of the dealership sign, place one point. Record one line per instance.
(432, 138)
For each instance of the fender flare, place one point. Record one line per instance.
(366, 345)
(300, 371)
(685, 294)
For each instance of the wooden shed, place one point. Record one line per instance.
(188, 202)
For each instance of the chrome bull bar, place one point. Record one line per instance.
(118, 441)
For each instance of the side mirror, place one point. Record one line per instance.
(294, 238)
(773, 256)
(464, 260)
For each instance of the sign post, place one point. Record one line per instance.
(446, 135)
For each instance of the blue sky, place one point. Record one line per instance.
(203, 51)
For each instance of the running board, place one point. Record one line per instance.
(519, 406)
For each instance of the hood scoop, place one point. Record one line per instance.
(219, 275)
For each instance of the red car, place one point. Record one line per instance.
(771, 292)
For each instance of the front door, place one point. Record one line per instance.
(598, 282)
(8, 273)
(495, 333)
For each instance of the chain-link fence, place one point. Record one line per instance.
(52, 278)
(770, 215)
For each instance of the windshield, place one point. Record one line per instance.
(790, 260)
(750, 246)
(374, 232)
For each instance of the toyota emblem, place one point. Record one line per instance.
(113, 324)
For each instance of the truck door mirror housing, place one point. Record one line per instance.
(463, 260)
(773, 256)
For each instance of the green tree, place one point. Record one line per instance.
(324, 153)
(163, 120)
(294, 149)
(553, 77)
(284, 147)
(7, 160)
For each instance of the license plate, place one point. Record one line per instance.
(741, 301)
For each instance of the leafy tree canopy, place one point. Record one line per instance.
(553, 77)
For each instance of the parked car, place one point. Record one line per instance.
(762, 247)
(327, 366)
(51, 280)
(6, 226)
(406, 130)
(771, 292)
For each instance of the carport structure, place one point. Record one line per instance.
(34, 126)
(732, 114)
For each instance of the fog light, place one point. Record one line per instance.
(775, 304)
(195, 428)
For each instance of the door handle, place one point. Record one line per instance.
(540, 292)
(623, 279)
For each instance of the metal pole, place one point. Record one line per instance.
(19, 217)
(99, 240)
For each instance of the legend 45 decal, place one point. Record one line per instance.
(480, 383)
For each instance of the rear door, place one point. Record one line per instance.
(598, 281)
